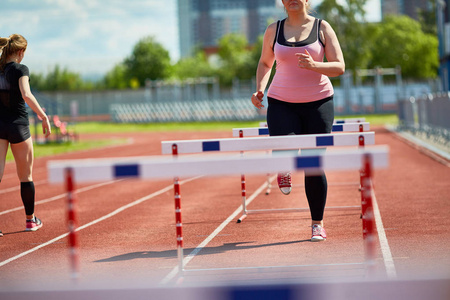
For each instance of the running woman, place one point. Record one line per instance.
(300, 97)
(14, 125)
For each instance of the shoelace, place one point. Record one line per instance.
(317, 230)
(285, 179)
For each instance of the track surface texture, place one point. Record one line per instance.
(127, 228)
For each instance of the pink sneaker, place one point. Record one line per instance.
(284, 183)
(33, 225)
(318, 233)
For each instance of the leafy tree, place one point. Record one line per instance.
(248, 68)
(117, 78)
(348, 21)
(149, 60)
(62, 79)
(37, 81)
(193, 67)
(399, 40)
(234, 55)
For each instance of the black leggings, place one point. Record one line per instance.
(284, 118)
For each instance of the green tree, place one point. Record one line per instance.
(149, 60)
(37, 81)
(117, 78)
(62, 79)
(348, 21)
(399, 40)
(234, 56)
(193, 67)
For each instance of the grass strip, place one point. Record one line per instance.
(53, 148)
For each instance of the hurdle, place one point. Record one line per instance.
(288, 142)
(336, 121)
(159, 167)
(263, 131)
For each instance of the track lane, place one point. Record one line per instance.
(141, 241)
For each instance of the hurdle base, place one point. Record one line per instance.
(358, 267)
(290, 210)
(242, 218)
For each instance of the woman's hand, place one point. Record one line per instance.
(305, 60)
(46, 127)
(257, 99)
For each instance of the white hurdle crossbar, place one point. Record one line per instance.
(159, 167)
(286, 142)
(271, 143)
(262, 131)
(336, 121)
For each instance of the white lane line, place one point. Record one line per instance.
(120, 209)
(17, 187)
(87, 188)
(205, 242)
(385, 249)
(33, 250)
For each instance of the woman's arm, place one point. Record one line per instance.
(335, 64)
(264, 65)
(29, 98)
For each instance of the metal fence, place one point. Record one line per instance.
(428, 114)
(203, 99)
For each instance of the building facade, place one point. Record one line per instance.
(443, 25)
(404, 7)
(203, 22)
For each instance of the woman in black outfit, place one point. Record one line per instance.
(15, 93)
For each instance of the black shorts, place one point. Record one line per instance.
(14, 133)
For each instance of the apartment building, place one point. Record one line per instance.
(203, 22)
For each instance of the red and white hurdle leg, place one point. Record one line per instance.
(179, 225)
(243, 192)
(178, 221)
(72, 223)
(244, 199)
(368, 217)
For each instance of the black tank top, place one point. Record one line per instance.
(280, 39)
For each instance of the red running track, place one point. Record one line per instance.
(128, 227)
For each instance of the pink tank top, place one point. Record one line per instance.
(291, 83)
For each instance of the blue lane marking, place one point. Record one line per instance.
(126, 170)
(340, 121)
(211, 146)
(308, 162)
(324, 141)
(263, 131)
(338, 128)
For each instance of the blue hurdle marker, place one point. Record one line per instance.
(312, 141)
(259, 131)
(159, 167)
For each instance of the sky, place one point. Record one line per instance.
(90, 37)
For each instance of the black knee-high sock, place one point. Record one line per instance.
(316, 191)
(27, 193)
